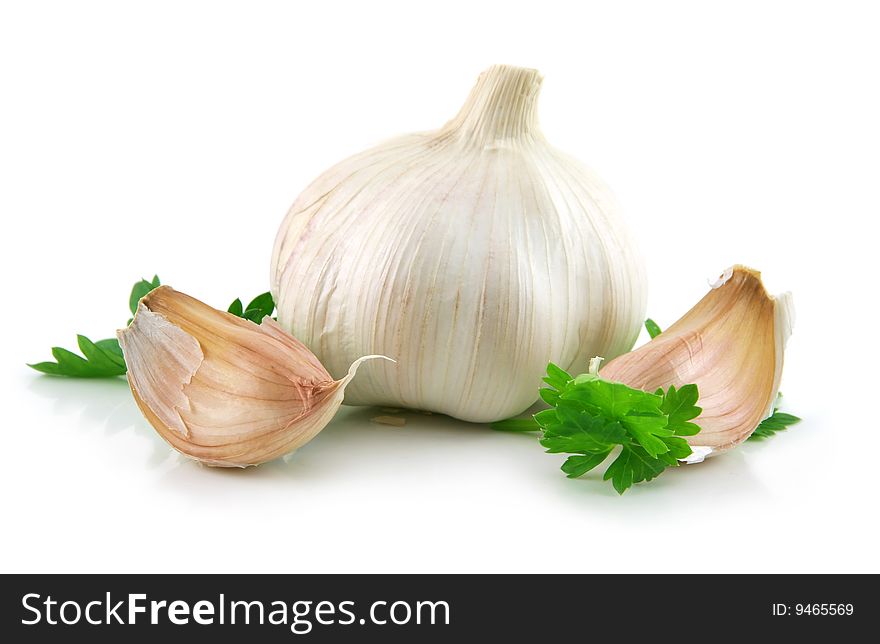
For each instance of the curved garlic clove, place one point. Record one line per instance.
(731, 346)
(221, 389)
(474, 254)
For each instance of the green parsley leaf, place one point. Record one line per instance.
(652, 328)
(614, 399)
(580, 432)
(680, 405)
(111, 345)
(637, 411)
(236, 308)
(777, 421)
(256, 310)
(139, 290)
(633, 465)
(557, 378)
(516, 425)
(650, 432)
(104, 359)
(576, 466)
(678, 449)
(590, 416)
(101, 360)
(263, 302)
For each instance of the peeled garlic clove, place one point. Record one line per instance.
(731, 346)
(221, 389)
(474, 254)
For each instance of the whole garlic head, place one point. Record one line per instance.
(472, 255)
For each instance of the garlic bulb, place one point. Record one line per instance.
(473, 255)
(223, 390)
(730, 344)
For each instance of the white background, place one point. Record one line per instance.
(171, 137)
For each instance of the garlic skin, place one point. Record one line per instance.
(731, 345)
(223, 390)
(473, 255)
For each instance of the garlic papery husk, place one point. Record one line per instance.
(473, 255)
(731, 346)
(221, 389)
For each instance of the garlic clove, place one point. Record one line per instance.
(731, 346)
(221, 389)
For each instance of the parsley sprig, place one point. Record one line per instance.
(776, 422)
(139, 290)
(256, 310)
(652, 328)
(589, 417)
(103, 358)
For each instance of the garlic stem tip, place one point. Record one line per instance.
(722, 279)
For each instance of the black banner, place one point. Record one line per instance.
(431, 608)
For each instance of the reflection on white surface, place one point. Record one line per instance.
(101, 403)
(105, 493)
(428, 448)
